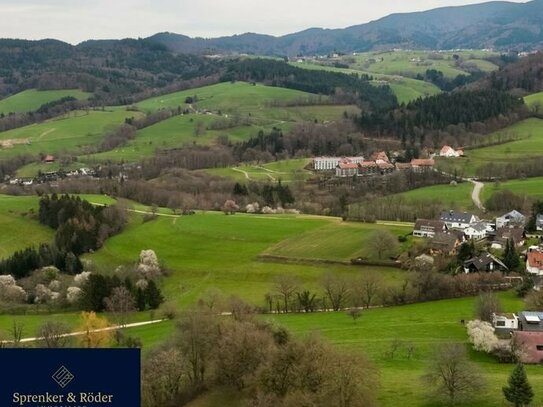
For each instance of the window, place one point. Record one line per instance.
(500, 323)
(539, 347)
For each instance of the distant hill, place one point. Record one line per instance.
(497, 24)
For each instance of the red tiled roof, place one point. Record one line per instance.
(345, 166)
(446, 149)
(368, 164)
(49, 158)
(422, 162)
(535, 259)
(403, 166)
(385, 166)
(379, 155)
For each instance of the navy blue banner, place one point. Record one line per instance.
(70, 378)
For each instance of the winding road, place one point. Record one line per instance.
(476, 194)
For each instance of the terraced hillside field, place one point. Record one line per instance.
(70, 132)
(528, 146)
(32, 99)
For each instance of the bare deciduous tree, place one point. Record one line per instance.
(486, 305)
(367, 288)
(384, 243)
(336, 289)
(120, 303)
(54, 334)
(452, 376)
(286, 286)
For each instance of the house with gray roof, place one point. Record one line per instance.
(460, 220)
(513, 218)
(428, 227)
(530, 321)
(477, 231)
(486, 262)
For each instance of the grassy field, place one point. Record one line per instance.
(32, 99)
(214, 250)
(19, 228)
(236, 98)
(411, 63)
(528, 146)
(532, 187)
(333, 242)
(70, 132)
(247, 109)
(534, 99)
(285, 170)
(406, 89)
(425, 326)
(458, 196)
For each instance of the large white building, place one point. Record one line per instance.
(330, 163)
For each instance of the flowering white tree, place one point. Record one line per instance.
(10, 291)
(81, 278)
(148, 266)
(481, 335)
(252, 207)
(73, 294)
(42, 294)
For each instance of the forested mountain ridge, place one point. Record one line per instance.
(498, 24)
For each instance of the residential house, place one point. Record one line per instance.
(484, 263)
(460, 220)
(445, 243)
(428, 227)
(539, 222)
(346, 169)
(531, 345)
(476, 231)
(422, 164)
(448, 151)
(403, 166)
(513, 218)
(534, 261)
(516, 234)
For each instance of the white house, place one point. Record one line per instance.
(505, 321)
(513, 218)
(476, 231)
(460, 220)
(448, 151)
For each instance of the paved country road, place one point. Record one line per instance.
(109, 328)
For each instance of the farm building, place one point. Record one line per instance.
(422, 164)
(380, 157)
(448, 151)
(346, 169)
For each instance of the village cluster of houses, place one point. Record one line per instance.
(526, 329)
(377, 164)
(447, 233)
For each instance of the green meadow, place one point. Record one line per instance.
(534, 100)
(238, 97)
(67, 133)
(531, 187)
(425, 326)
(529, 145)
(32, 99)
(412, 63)
(214, 250)
(236, 111)
(19, 225)
(455, 196)
(284, 170)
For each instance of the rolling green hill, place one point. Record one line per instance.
(531, 187)
(19, 226)
(32, 99)
(70, 132)
(238, 97)
(534, 100)
(235, 110)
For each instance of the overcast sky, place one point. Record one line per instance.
(77, 20)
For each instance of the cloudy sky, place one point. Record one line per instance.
(77, 20)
